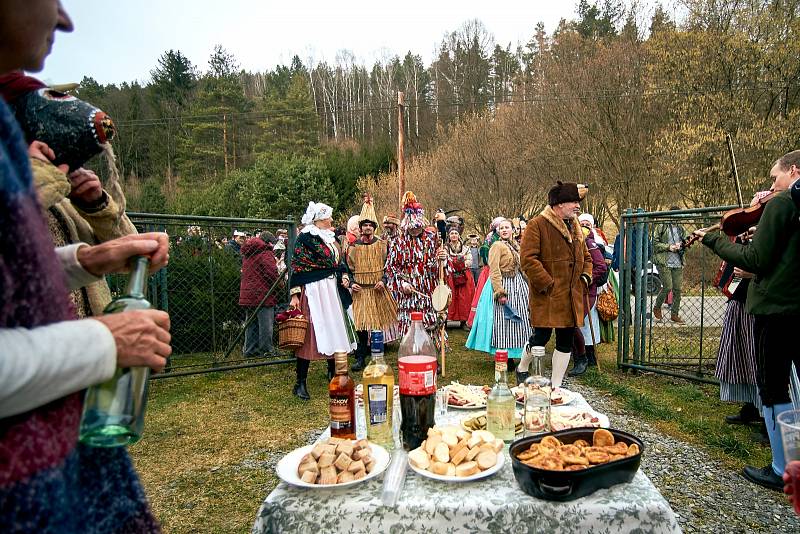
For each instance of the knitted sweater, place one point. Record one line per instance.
(49, 483)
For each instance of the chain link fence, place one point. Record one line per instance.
(670, 332)
(200, 290)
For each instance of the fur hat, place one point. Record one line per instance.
(413, 213)
(563, 192)
(368, 212)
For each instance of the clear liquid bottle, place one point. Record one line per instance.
(378, 394)
(536, 417)
(501, 404)
(113, 412)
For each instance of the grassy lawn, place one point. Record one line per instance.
(209, 439)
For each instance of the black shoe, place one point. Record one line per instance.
(579, 367)
(300, 391)
(359, 364)
(746, 416)
(763, 476)
(591, 357)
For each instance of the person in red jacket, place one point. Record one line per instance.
(259, 272)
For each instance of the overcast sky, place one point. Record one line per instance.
(117, 41)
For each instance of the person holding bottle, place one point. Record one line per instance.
(51, 483)
(319, 285)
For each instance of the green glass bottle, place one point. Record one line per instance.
(113, 412)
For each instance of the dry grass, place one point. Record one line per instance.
(208, 439)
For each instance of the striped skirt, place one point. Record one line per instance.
(508, 334)
(736, 360)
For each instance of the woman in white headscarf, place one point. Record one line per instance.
(319, 288)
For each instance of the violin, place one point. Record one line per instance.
(735, 222)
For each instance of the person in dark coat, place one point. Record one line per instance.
(773, 298)
(259, 272)
(558, 266)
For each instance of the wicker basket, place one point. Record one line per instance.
(292, 333)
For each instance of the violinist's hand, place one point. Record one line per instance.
(741, 274)
(675, 247)
(700, 233)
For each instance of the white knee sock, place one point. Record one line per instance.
(527, 358)
(560, 363)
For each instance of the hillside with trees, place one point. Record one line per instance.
(625, 98)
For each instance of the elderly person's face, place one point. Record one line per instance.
(505, 229)
(566, 210)
(27, 32)
(324, 224)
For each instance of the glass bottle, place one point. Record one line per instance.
(537, 396)
(378, 394)
(416, 370)
(342, 393)
(501, 404)
(113, 412)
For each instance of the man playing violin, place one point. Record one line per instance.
(773, 298)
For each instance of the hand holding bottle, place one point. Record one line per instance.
(114, 256)
(142, 337)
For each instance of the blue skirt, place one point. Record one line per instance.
(480, 335)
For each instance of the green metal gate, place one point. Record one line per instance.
(687, 350)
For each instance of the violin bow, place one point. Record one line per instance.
(735, 170)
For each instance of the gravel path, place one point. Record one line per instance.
(705, 495)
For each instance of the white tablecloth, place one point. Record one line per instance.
(495, 504)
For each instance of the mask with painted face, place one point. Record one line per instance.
(75, 130)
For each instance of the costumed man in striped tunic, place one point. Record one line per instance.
(390, 232)
(373, 305)
(412, 266)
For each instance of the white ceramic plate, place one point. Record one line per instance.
(517, 415)
(602, 418)
(567, 396)
(501, 457)
(287, 468)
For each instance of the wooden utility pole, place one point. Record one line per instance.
(401, 139)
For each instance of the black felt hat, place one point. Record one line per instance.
(563, 192)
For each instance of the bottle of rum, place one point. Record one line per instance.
(113, 412)
(342, 392)
(500, 405)
(378, 394)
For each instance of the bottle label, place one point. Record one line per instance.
(377, 394)
(500, 367)
(417, 375)
(340, 413)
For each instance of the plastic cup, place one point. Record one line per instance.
(789, 423)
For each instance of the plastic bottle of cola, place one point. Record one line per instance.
(416, 363)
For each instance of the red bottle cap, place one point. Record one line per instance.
(501, 356)
(416, 316)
